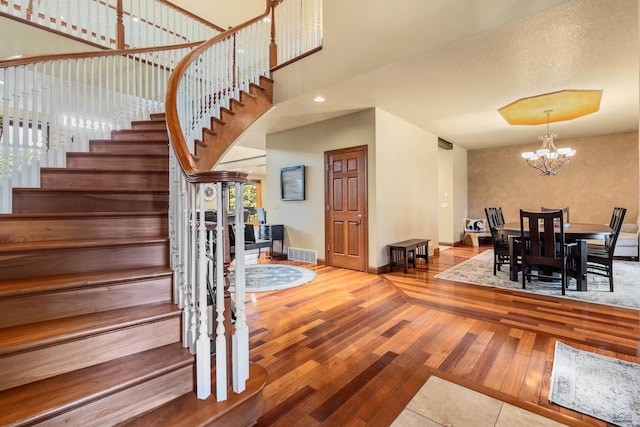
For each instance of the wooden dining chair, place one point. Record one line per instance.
(543, 246)
(565, 211)
(501, 256)
(600, 256)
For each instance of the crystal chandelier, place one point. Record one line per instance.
(548, 158)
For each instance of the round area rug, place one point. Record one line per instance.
(274, 277)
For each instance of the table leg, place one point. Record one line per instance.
(582, 266)
(406, 260)
(513, 260)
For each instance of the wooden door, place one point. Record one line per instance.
(346, 225)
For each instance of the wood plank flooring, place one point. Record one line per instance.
(351, 349)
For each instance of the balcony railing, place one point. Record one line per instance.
(114, 24)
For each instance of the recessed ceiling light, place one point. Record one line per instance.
(319, 99)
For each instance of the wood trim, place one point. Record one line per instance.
(296, 59)
(186, 159)
(29, 59)
(191, 15)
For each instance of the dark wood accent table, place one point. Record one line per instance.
(573, 232)
(272, 232)
(405, 252)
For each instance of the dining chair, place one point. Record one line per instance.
(600, 256)
(565, 211)
(500, 243)
(543, 246)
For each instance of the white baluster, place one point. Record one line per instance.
(184, 250)
(203, 345)
(241, 336)
(221, 340)
(193, 259)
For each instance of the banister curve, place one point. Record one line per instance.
(176, 135)
(13, 61)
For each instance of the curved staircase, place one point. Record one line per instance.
(89, 333)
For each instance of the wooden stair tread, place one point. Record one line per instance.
(76, 244)
(102, 171)
(93, 214)
(35, 285)
(43, 399)
(132, 140)
(86, 190)
(189, 411)
(25, 337)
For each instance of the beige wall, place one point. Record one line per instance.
(602, 175)
(304, 220)
(452, 183)
(406, 186)
(402, 185)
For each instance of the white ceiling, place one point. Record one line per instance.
(454, 90)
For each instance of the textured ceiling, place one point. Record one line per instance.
(454, 90)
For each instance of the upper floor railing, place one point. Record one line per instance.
(115, 24)
(50, 105)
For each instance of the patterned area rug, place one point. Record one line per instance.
(626, 279)
(600, 386)
(274, 277)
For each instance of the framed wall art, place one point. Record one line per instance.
(292, 183)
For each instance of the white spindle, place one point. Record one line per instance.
(240, 343)
(203, 345)
(221, 340)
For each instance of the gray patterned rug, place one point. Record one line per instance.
(626, 278)
(274, 277)
(596, 385)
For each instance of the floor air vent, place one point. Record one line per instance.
(304, 255)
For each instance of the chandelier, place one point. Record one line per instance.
(548, 158)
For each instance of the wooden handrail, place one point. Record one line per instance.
(185, 158)
(119, 40)
(29, 59)
(191, 15)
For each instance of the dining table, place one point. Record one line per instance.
(573, 232)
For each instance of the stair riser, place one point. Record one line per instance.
(51, 178)
(129, 147)
(81, 260)
(45, 362)
(110, 162)
(26, 309)
(150, 125)
(14, 230)
(129, 403)
(140, 135)
(25, 201)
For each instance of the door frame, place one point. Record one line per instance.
(364, 199)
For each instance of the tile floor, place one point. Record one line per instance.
(440, 403)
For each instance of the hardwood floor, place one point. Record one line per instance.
(351, 349)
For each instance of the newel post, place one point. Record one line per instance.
(119, 26)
